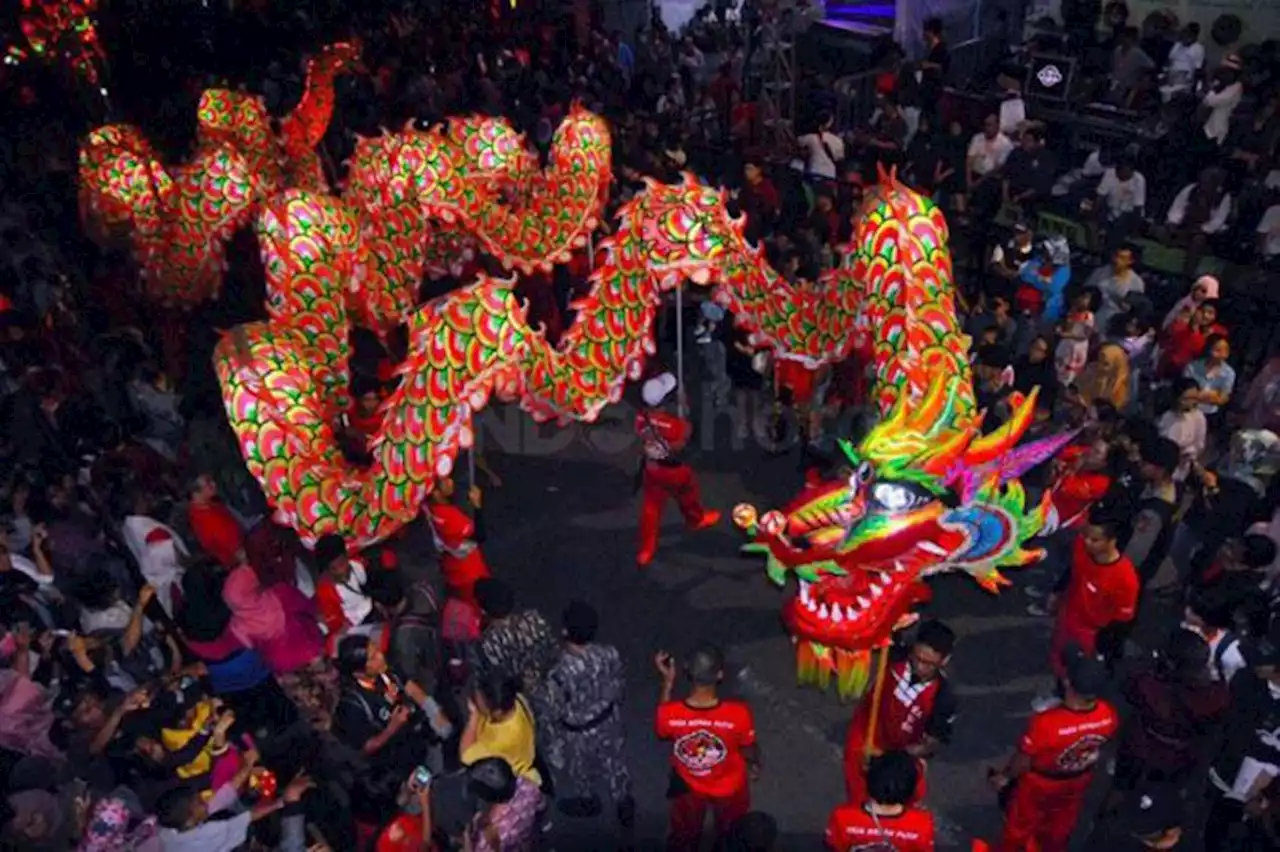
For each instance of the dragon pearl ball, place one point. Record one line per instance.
(745, 516)
(773, 522)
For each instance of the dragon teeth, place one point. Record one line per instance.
(863, 602)
(930, 547)
(804, 591)
(837, 615)
(876, 591)
(822, 611)
(885, 578)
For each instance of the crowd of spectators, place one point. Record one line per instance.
(181, 673)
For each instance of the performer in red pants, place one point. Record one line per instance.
(664, 475)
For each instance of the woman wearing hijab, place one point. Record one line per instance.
(1206, 287)
(237, 673)
(280, 624)
(1106, 378)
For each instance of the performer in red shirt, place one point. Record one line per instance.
(457, 539)
(713, 749)
(364, 418)
(917, 709)
(664, 475)
(1080, 480)
(885, 820)
(1102, 589)
(215, 527)
(1054, 764)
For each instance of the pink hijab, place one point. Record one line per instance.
(256, 614)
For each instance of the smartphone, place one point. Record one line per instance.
(422, 777)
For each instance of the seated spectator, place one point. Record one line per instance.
(994, 311)
(1121, 200)
(1184, 339)
(1216, 377)
(1115, 282)
(1184, 424)
(1029, 172)
(215, 527)
(884, 139)
(1223, 96)
(186, 826)
(1269, 236)
(1008, 259)
(1035, 369)
(1186, 61)
(162, 425)
(1251, 144)
(988, 152)
(1129, 62)
(1044, 281)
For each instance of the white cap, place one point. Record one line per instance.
(654, 391)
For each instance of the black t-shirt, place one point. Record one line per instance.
(1030, 170)
(362, 713)
(931, 79)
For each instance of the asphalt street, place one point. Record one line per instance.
(563, 526)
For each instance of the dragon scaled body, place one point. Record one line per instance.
(926, 491)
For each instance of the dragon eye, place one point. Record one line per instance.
(894, 497)
(865, 472)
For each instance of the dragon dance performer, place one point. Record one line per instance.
(1053, 767)
(664, 475)
(886, 819)
(457, 539)
(916, 710)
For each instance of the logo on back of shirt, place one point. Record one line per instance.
(1081, 754)
(877, 846)
(700, 751)
(1049, 76)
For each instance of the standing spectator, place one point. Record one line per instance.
(1153, 524)
(1184, 424)
(713, 749)
(500, 724)
(1210, 614)
(1044, 280)
(1115, 283)
(1027, 177)
(1176, 709)
(823, 150)
(1198, 212)
(158, 548)
(1216, 378)
(509, 806)
(587, 687)
(1224, 95)
(934, 67)
(1184, 338)
(916, 713)
(887, 812)
(1203, 289)
(1129, 63)
(1074, 335)
(1101, 591)
(1249, 757)
(519, 644)
(1054, 765)
(758, 199)
(457, 539)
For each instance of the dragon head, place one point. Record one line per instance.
(923, 492)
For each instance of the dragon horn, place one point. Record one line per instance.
(998, 442)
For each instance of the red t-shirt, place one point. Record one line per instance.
(797, 378)
(1182, 344)
(1098, 595)
(851, 828)
(461, 560)
(707, 744)
(663, 435)
(1077, 491)
(217, 531)
(1062, 742)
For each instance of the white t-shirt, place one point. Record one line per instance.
(1269, 228)
(1123, 196)
(1012, 113)
(1221, 105)
(817, 160)
(1184, 61)
(987, 155)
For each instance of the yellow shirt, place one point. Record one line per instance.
(510, 739)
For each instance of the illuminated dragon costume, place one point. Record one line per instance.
(925, 491)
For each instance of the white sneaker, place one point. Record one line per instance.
(1042, 703)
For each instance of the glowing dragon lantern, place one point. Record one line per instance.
(925, 491)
